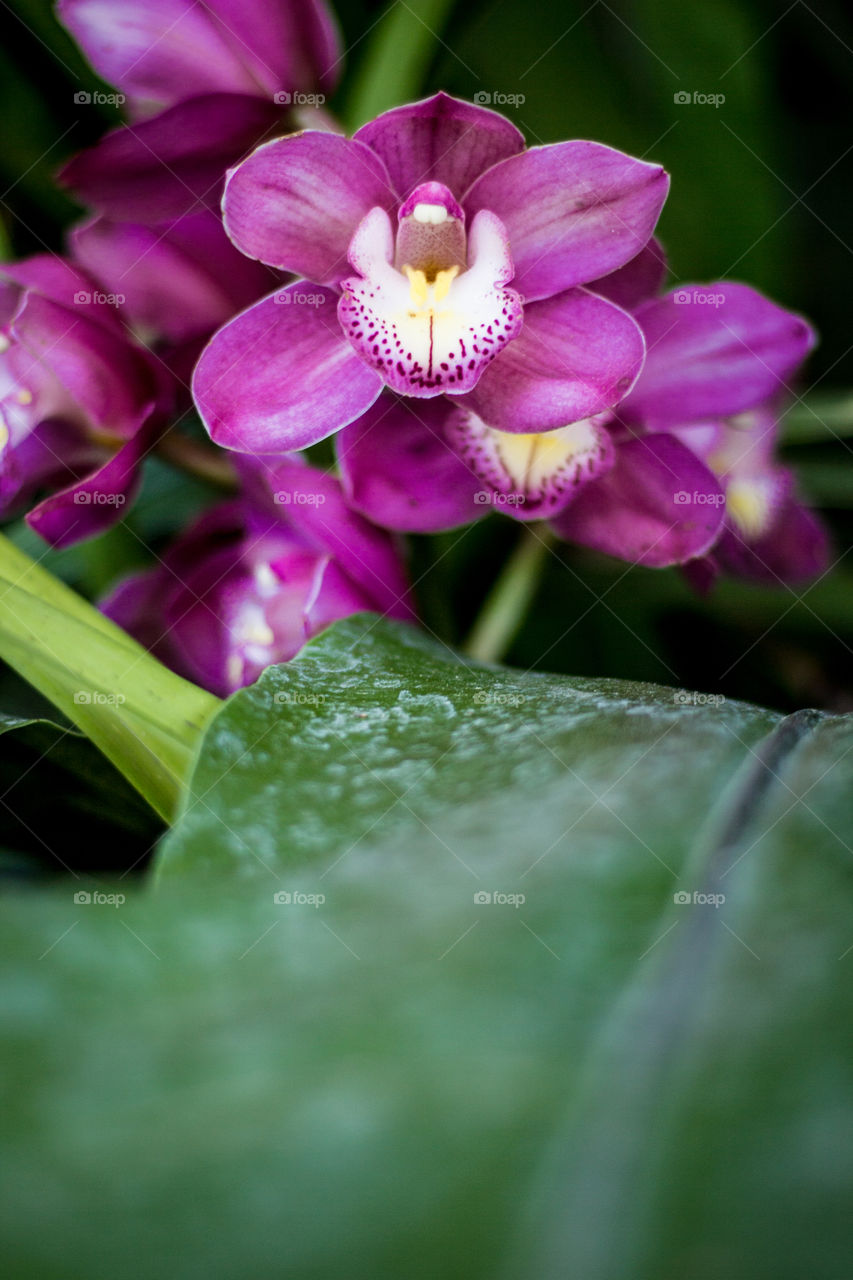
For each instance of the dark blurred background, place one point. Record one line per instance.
(761, 193)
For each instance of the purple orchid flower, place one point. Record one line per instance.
(769, 535)
(256, 577)
(408, 473)
(177, 284)
(422, 467)
(204, 84)
(473, 294)
(80, 404)
(162, 52)
(716, 354)
(172, 165)
(633, 483)
(428, 466)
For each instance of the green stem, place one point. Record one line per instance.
(510, 597)
(398, 54)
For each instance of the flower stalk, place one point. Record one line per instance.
(510, 598)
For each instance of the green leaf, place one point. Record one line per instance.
(400, 48)
(376, 728)
(145, 719)
(383, 1077)
(711, 1125)
(9, 723)
(819, 418)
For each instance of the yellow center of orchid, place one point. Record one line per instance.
(531, 460)
(426, 294)
(749, 506)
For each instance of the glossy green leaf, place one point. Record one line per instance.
(379, 1075)
(377, 728)
(145, 719)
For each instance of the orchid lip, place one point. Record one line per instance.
(428, 309)
(542, 471)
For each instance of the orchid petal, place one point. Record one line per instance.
(531, 477)
(88, 507)
(713, 350)
(159, 52)
(315, 503)
(636, 282)
(174, 284)
(295, 202)
(399, 469)
(793, 548)
(60, 281)
(440, 139)
(658, 506)
(171, 165)
(282, 376)
(332, 596)
(577, 355)
(426, 339)
(111, 383)
(574, 211)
